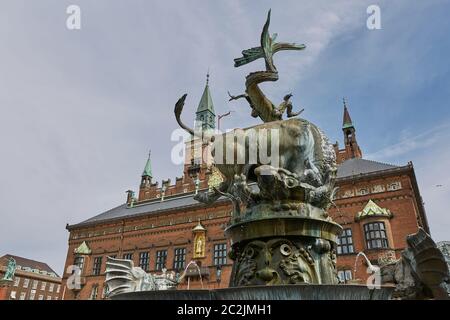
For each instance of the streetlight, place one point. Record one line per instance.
(218, 274)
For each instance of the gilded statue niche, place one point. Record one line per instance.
(199, 249)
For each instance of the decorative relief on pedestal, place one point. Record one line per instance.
(282, 261)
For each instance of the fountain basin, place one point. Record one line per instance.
(277, 292)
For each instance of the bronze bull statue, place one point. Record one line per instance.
(304, 161)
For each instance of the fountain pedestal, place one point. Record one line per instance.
(283, 250)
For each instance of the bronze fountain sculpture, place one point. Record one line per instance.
(280, 229)
(282, 236)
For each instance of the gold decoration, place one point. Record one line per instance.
(199, 241)
(215, 179)
(199, 246)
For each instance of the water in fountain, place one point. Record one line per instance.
(375, 281)
(198, 270)
(370, 266)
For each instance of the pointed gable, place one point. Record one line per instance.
(83, 249)
(373, 210)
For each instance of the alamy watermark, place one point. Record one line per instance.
(73, 21)
(374, 20)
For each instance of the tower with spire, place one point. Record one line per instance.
(205, 117)
(147, 173)
(352, 149)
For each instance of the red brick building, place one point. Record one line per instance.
(33, 280)
(377, 204)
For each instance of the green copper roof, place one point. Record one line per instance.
(206, 103)
(83, 249)
(148, 168)
(372, 209)
(347, 120)
(347, 125)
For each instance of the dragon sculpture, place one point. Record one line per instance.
(421, 272)
(295, 186)
(122, 277)
(307, 163)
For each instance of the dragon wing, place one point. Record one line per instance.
(119, 276)
(428, 263)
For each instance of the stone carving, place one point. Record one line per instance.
(296, 187)
(378, 188)
(421, 272)
(283, 261)
(122, 276)
(394, 186)
(10, 270)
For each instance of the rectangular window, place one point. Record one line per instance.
(144, 260)
(58, 288)
(94, 292)
(161, 257)
(127, 256)
(23, 295)
(345, 276)
(41, 297)
(97, 266)
(51, 287)
(35, 284)
(16, 281)
(43, 285)
(220, 254)
(375, 234)
(179, 259)
(79, 261)
(13, 295)
(26, 283)
(49, 297)
(32, 294)
(345, 242)
(104, 291)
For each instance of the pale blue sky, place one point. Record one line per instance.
(80, 109)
